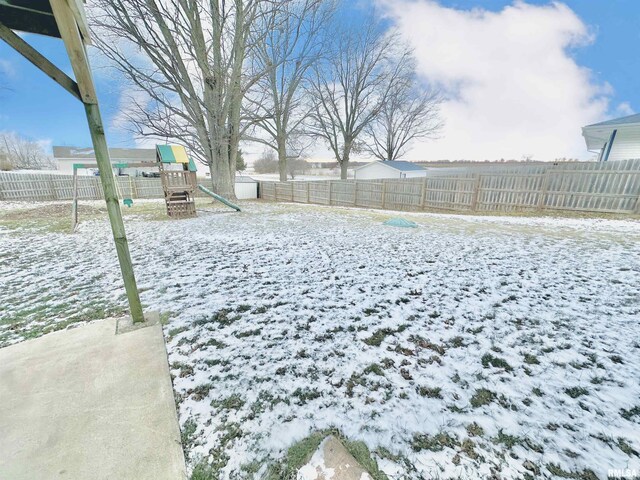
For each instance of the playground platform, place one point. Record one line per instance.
(89, 403)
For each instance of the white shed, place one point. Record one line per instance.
(389, 169)
(617, 139)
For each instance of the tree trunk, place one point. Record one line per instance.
(282, 161)
(344, 164)
(222, 180)
(343, 169)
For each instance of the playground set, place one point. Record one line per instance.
(178, 175)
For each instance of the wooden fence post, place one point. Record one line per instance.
(542, 196)
(133, 188)
(329, 202)
(384, 194)
(74, 204)
(1, 186)
(355, 193)
(52, 186)
(476, 192)
(275, 192)
(423, 193)
(308, 196)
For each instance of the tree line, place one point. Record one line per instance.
(285, 74)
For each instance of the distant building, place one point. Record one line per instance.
(617, 139)
(389, 169)
(67, 156)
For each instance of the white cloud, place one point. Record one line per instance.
(7, 69)
(624, 109)
(511, 84)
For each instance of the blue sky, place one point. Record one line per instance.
(36, 107)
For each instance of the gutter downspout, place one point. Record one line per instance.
(609, 145)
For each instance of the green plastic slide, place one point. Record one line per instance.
(219, 198)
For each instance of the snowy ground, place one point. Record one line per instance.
(469, 347)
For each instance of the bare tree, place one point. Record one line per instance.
(187, 69)
(350, 87)
(410, 112)
(22, 153)
(277, 108)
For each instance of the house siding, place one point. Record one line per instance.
(626, 144)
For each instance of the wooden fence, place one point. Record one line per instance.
(46, 186)
(591, 187)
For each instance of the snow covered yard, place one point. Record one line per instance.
(469, 347)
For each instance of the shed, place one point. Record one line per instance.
(617, 139)
(246, 188)
(389, 169)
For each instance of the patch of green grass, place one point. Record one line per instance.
(434, 443)
(508, 441)
(575, 392)
(475, 430)
(627, 448)
(631, 413)
(232, 402)
(376, 339)
(297, 456)
(249, 333)
(537, 392)
(305, 395)
(203, 471)
(201, 391)
(481, 397)
(496, 362)
(531, 359)
(187, 435)
(427, 344)
(431, 392)
(361, 453)
(177, 330)
(375, 369)
(469, 449)
(556, 470)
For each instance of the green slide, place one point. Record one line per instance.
(219, 198)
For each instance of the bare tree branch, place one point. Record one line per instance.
(288, 53)
(410, 112)
(187, 66)
(350, 87)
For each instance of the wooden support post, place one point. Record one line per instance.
(423, 193)
(35, 57)
(74, 205)
(113, 208)
(329, 199)
(384, 194)
(542, 196)
(308, 195)
(52, 187)
(476, 192)
(355, 193)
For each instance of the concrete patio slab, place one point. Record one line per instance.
(86, 403)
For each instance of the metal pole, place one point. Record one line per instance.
(113, 208)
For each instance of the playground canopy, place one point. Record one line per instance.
(65, 19)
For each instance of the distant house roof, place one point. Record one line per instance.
(78, 153)
(629, 120)
(245, 179)
(398, 165)
(599, 134)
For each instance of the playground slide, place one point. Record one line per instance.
(219, 198)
